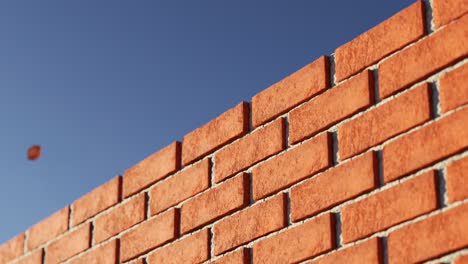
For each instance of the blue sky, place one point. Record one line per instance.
(102, 84)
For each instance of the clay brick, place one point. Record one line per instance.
(105, 254)
(365, 252)
(334, 186)
(291, 91)
(394, 33)
(12, 249)
(251, 223)
(425, 57)
(191, 249)
(457, 180)
(387, 208)
(307, 240)
(34, 258)
(49, 228)
(222, 200)
(149, 235)
(426, 145)
(151, 169)
(120, 218)
(445, 11)
(138, 261)
(331, 107)
(429, 238)
(69, 245)
(179, 187)
(291, 166)
(240, 256)
(453, 88)
(461, 260)
(249, 150)
(96, 201)
(385, 121)
(219, 131)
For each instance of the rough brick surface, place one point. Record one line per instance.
(453, 88)
(461, 260)
(457, 180)
(402, 28)
(69, 245)
(105, 254)
(96, 201)
(298, 243)
(385, 121)
(290, 91)
(34, 258)
(389, 207)
(151, 169)
(179, 187)
(12, 249)
(49, 228)
(240, 256)
(445, 11)
(365, 252)
(226, 127)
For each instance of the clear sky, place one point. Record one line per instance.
(102, 84)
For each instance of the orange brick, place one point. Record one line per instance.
(445, 11)
(461, 260)
(137, 261)
(105, 254)
(331, 107)
(365, 252)
(298, 243)
(222, 200)
(120, 218)
(387, 208)
(151, 169)
(148, 235)
(426, 145)
(249, 224)
(453, 88)
(240, 256)
(69, 245)
(425, 57)
(179, 187)
(12, 249)
(34, 258)
(429, 238)
(457, 180)
(191, 249)
(334, 186)
(249, 150)
(48, 228)
(291, 166)
(96, 201)
(219, 131)
(385, 121)
(291, 91)
(394, 33)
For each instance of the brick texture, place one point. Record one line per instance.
(453, 89)
(49, 228)
(461, 260)
(69, 245)
(457, 180)
(240, 256)
(105, 254)
(366, 252)
(12, 249)
(446, 11)
(34, 258)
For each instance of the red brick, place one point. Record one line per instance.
(307, 240)
(291, 91)
(105, 254)
(240, 256)
(334, 186)
(148, 235)
(445, 11)
(457, 180)
(385, 121)
(12, 249)
(151, 169)
(222, 200)
(49, 228)
(249, 224)
(387, 208)
(453, 88)
(461, 260)
(249, 150)
(429, 238)
(291, 166)
(191, 249)
(426, 145)
(331, 107)
(425, 57)
(394, 33)
(34, 258)
(179, 187)
(365, 252)
(69, 245)
(137, 261)
(219, 131)
(120, 218)
(96, 201)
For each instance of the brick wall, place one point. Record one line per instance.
(358, 157)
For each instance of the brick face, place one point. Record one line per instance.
(49, 228)
(240, 256)
(105, 254)
(69, 245)
(461, 260)
(12, 249)
(34, 258)
(457, 180)
(365, 252)
(446, 11)
(453, 89)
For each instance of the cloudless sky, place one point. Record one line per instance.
(103, 84)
